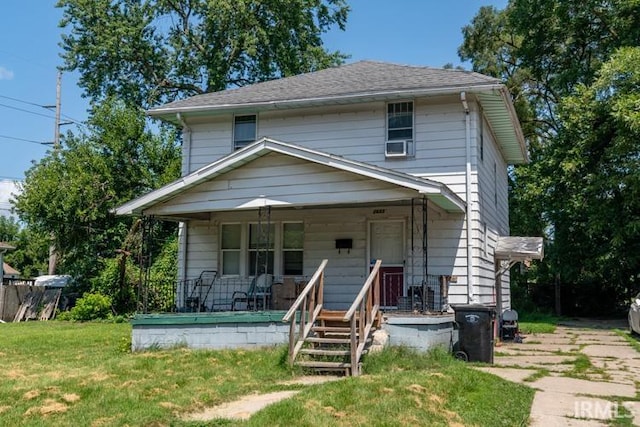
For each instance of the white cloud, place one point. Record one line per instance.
(6, 188)
(5, 74)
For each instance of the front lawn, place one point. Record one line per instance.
(81, 374)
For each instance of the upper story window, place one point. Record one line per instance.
(399, 141)
(244, 131)
(400, 121)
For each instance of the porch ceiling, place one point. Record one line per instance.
(285, 175)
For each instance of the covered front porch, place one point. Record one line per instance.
(256, 224)
(318, 338)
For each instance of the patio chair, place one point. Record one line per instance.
(257, 297)
(509, 325)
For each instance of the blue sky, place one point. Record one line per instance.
(415, 32)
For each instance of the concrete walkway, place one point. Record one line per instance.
(584, 374)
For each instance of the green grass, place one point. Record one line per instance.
(631, 338)
(72, 374)
(537, 323)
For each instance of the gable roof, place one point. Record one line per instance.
(8, 270)
(362, 81)
(439, 193)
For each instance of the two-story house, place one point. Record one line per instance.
(364, 161)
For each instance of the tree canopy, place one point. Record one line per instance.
(570, 68)
(153, 51)
(70, 192)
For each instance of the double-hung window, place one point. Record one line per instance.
(399, 141)
(261, 248)
(244, 130)
(292, 248)
(231, 249)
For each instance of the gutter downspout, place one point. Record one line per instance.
(182, 226)
(471, 295)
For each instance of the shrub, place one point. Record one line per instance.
(90, 307)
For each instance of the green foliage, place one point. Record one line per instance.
(70, 193)
(123, 294)
(92, 306)
(32, 247)
(156, 51)
(9, 229)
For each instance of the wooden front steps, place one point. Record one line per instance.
(333, 340)
(328, 347)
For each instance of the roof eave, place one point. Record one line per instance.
(169, 113)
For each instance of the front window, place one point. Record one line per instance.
(400, 121)
(231, 246)
(292, 248)
(261, 245)
(244, 131)
(275, 248)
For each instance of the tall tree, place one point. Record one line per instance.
(71, 190)
(153, 51)
(549, 51)
(594, 202)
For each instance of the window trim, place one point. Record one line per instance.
(410, 142)
(241, 250)
(233, 131)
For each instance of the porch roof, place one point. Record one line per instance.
(435, 191)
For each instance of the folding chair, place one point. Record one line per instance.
(509, 325)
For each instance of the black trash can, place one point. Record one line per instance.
(475, 332)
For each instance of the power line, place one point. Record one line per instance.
(26, 111)
(21, 100)
(25, 140)
(76, 121)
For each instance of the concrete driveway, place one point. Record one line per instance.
(584, 374)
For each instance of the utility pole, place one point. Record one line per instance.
(56, 137)
(53, 255)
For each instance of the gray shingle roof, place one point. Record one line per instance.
(352, 80)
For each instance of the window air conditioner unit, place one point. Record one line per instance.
(399, 148)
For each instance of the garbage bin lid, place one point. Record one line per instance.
(472, 307)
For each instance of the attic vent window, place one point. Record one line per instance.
(244, 131)
(399, 141)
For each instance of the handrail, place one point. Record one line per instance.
(305, 291)
(309, 302)
(363, 291)
(362, 314)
